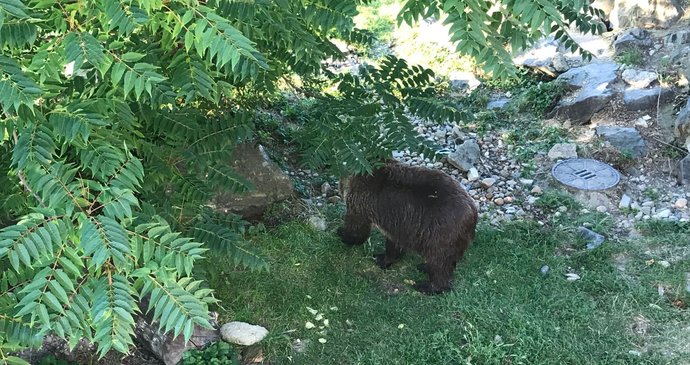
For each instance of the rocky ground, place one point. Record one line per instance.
(632, 117)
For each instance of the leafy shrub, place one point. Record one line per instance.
(541, 98)
(217, 353)
(631, 57)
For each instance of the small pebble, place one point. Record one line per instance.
(499, 201)
(536, 190)
(488, 182)
(664, 263)
(681, 203)
(544, 270)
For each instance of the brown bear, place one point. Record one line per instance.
(416, 209)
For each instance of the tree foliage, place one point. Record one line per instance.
(118, 118)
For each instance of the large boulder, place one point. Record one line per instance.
(269, 183)
(624, 139)
(591, 86)
(641, 13)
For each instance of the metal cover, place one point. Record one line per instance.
(585, 174)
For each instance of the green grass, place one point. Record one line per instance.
(501, 311)
(631, 57)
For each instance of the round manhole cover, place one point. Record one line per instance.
(585, 174)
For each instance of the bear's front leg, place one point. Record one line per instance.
(355, 231)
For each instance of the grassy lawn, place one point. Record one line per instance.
(501, 311)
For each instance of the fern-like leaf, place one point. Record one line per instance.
(30, 242)
(16, 88)
(224, 240)
(34, 145)
(156, 241)
(17, 33)
(83, 48)
(176, 304)
(103, 238)
(113, 312)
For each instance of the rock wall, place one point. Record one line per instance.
(641, 13)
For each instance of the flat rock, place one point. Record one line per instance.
(562, 151)
(591, 85)
(624, 139)
(644, 99)
(639, 79)
(241, 333)
(465, 155)
(593, 239)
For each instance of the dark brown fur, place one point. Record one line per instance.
(416, 209)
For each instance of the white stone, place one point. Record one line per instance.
(241, 333)
(681, 203)
(625, 202)
(472, 174)
(317, 223)
(488, 182)
(572, 277)
(602, 209)
(664, 263)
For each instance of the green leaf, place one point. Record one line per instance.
(15, 8)
(132, 56)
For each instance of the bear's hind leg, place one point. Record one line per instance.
(440, 266)
(355, 231)
(392, 255)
